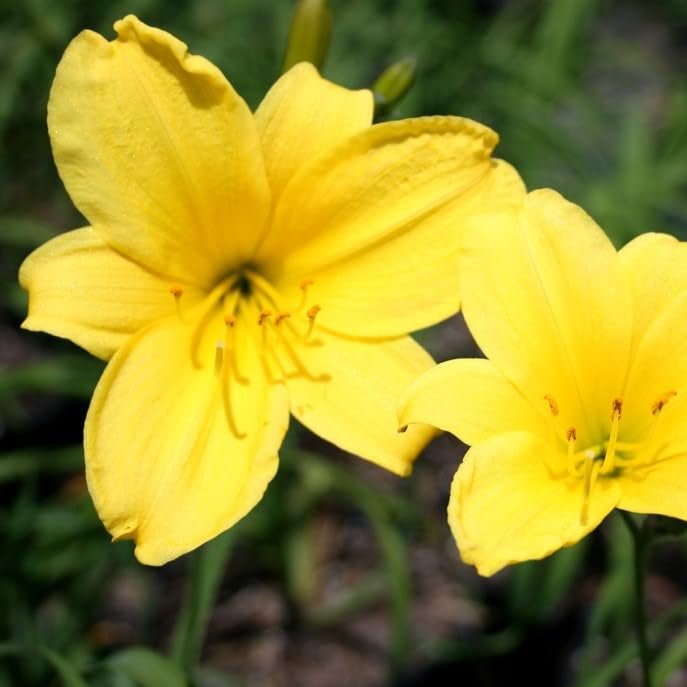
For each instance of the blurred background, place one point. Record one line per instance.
(343, 575)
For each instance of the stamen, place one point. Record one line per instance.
(609, 458)
(553, 406)
(230, 322)
(304, 285)
(225, 386)
(281, 316)
(177, 291)
(660, 403)
(312, 314)
(300, 366)
(591, 472)
(207, 313)
(264, 315)
(657, 412)
(617, 407)
(571, 436)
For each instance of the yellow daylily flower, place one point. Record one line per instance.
(581, 404)
(240, 265)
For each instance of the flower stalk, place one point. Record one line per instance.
(641, 541)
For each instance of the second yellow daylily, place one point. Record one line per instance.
(238, 266)
(581, 406)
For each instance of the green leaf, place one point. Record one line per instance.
(206, 568)
(147, 668)
(674, 656)
(68, 674)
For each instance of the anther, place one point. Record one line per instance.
(264, 314)
(305, 283)
(660, 403)
(571, 436)
(312, 312)
(177, 291)
(281, 316)
(229, 320)
(617, 407)
(553, 406)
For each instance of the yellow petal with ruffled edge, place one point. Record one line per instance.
(356, 408)
(410, 279)
(471, 399)
(81, 289)
(538, 288)
(379, 183)
(162, 462)
(303, 117)
(507, 507)
(158, 152)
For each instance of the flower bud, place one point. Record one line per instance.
(310, 33)
(393, 83)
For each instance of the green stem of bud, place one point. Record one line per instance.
(310, 34)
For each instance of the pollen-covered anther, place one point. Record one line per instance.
(617, 407)
(312, 312)
(553, 405)
(661, 401)
(280, 316)
(229, 320)
(264, 315)
(305, 283)
(177, 291)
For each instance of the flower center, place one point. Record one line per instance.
(609, 458)
(243, 314)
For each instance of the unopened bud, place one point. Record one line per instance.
(393, 83)
(310, 33)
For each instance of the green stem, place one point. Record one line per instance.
(207, 566)
(640, 540)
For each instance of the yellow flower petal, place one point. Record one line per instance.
(547, 301)
(82, 290)
(376, 185)
(659, 371)
(356, 408)
(158, 152)
(659, 488)
(656, 265)
(302, 117)
(163, 466)
(411, 280)
(507, 507)
(471, 399)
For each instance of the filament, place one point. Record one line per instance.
(609, 458)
